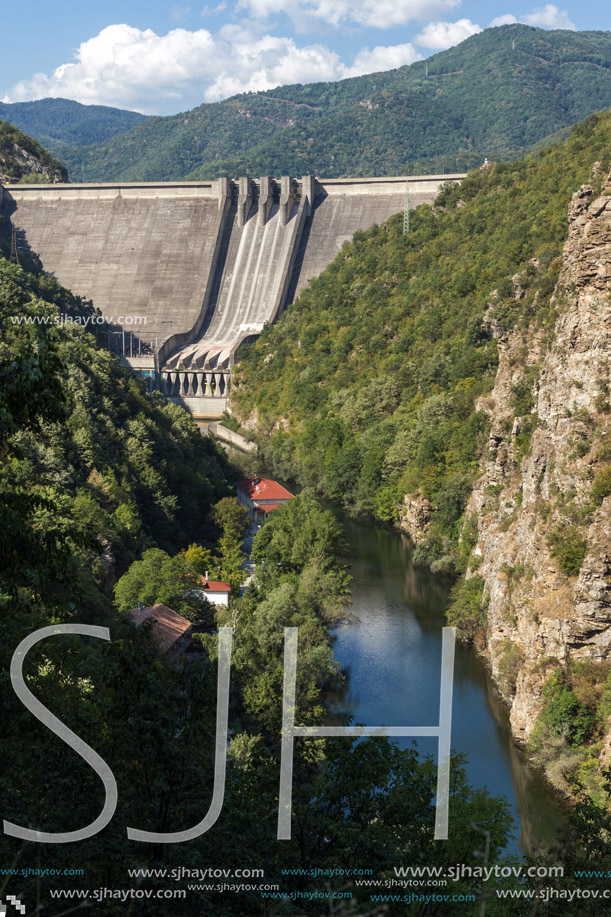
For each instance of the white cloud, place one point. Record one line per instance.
(130, 68)
(550, 17)
(547, 17)
(179, 13)
(378, 14)
(383, 58)
(213, 10)
(507, 19)
(441, 35)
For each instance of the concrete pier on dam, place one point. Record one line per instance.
(184, 272)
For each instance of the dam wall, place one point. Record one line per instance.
(137, 251)
(184, 272)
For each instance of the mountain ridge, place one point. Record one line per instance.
(60, 124)
(496, 94)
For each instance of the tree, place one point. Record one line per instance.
(200, 559)
(159, 578)
(233, 521)
(231, 518)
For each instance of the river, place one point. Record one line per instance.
(392, 652)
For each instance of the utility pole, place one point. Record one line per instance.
(14, 247)
(406, 209)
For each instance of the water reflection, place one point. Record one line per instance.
(392, 652)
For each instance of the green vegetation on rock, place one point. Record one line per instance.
(24, 159)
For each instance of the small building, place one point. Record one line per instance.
(261, 497)
(171, 631)
(217, 592)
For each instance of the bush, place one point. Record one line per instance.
(564, 713)
(435, 551)
(568, 547)
(467, 611)
(522, 399)
(601, 487)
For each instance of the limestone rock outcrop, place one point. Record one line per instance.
(415, 516)
(533, 496)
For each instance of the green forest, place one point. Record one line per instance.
(497, 94)
(366, 388)
(110, 496)
(60, 122)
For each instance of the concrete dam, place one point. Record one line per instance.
(184, 272)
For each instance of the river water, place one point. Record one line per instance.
(392, 654)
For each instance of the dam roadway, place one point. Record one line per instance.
(184, 272)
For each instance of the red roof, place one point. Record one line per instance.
(213, 585)
(269, 507)
(264, 489)
(168, 625)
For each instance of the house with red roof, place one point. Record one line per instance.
(261, 496)
(214, 590)
(171, 631)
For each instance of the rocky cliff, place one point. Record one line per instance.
(542, 502)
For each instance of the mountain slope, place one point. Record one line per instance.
(370, 379)
(496, 94)
(23, 159)
(60, 124)
(456, 380)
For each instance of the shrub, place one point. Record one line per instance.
(528, 425)
(601, 487)
(509, 663)
(564, 713)
(467, 611)
(522, 399)
(568, 547)
(435, 551)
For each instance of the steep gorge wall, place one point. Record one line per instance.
(537, 616)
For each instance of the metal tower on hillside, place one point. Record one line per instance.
(406, 209)
(14, 259)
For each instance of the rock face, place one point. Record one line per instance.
(21, 156)
(531, 497)
(415, 516)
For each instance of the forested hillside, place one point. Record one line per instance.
(23, 159)
(61, 123)
(94, 457)
(94, 472)
(367, 386)
(496, 94)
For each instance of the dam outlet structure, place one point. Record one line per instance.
(183, 273)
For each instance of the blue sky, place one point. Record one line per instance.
(163, 57)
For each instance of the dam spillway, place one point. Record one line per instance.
(184, 272)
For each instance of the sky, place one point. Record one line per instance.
(161, 57)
